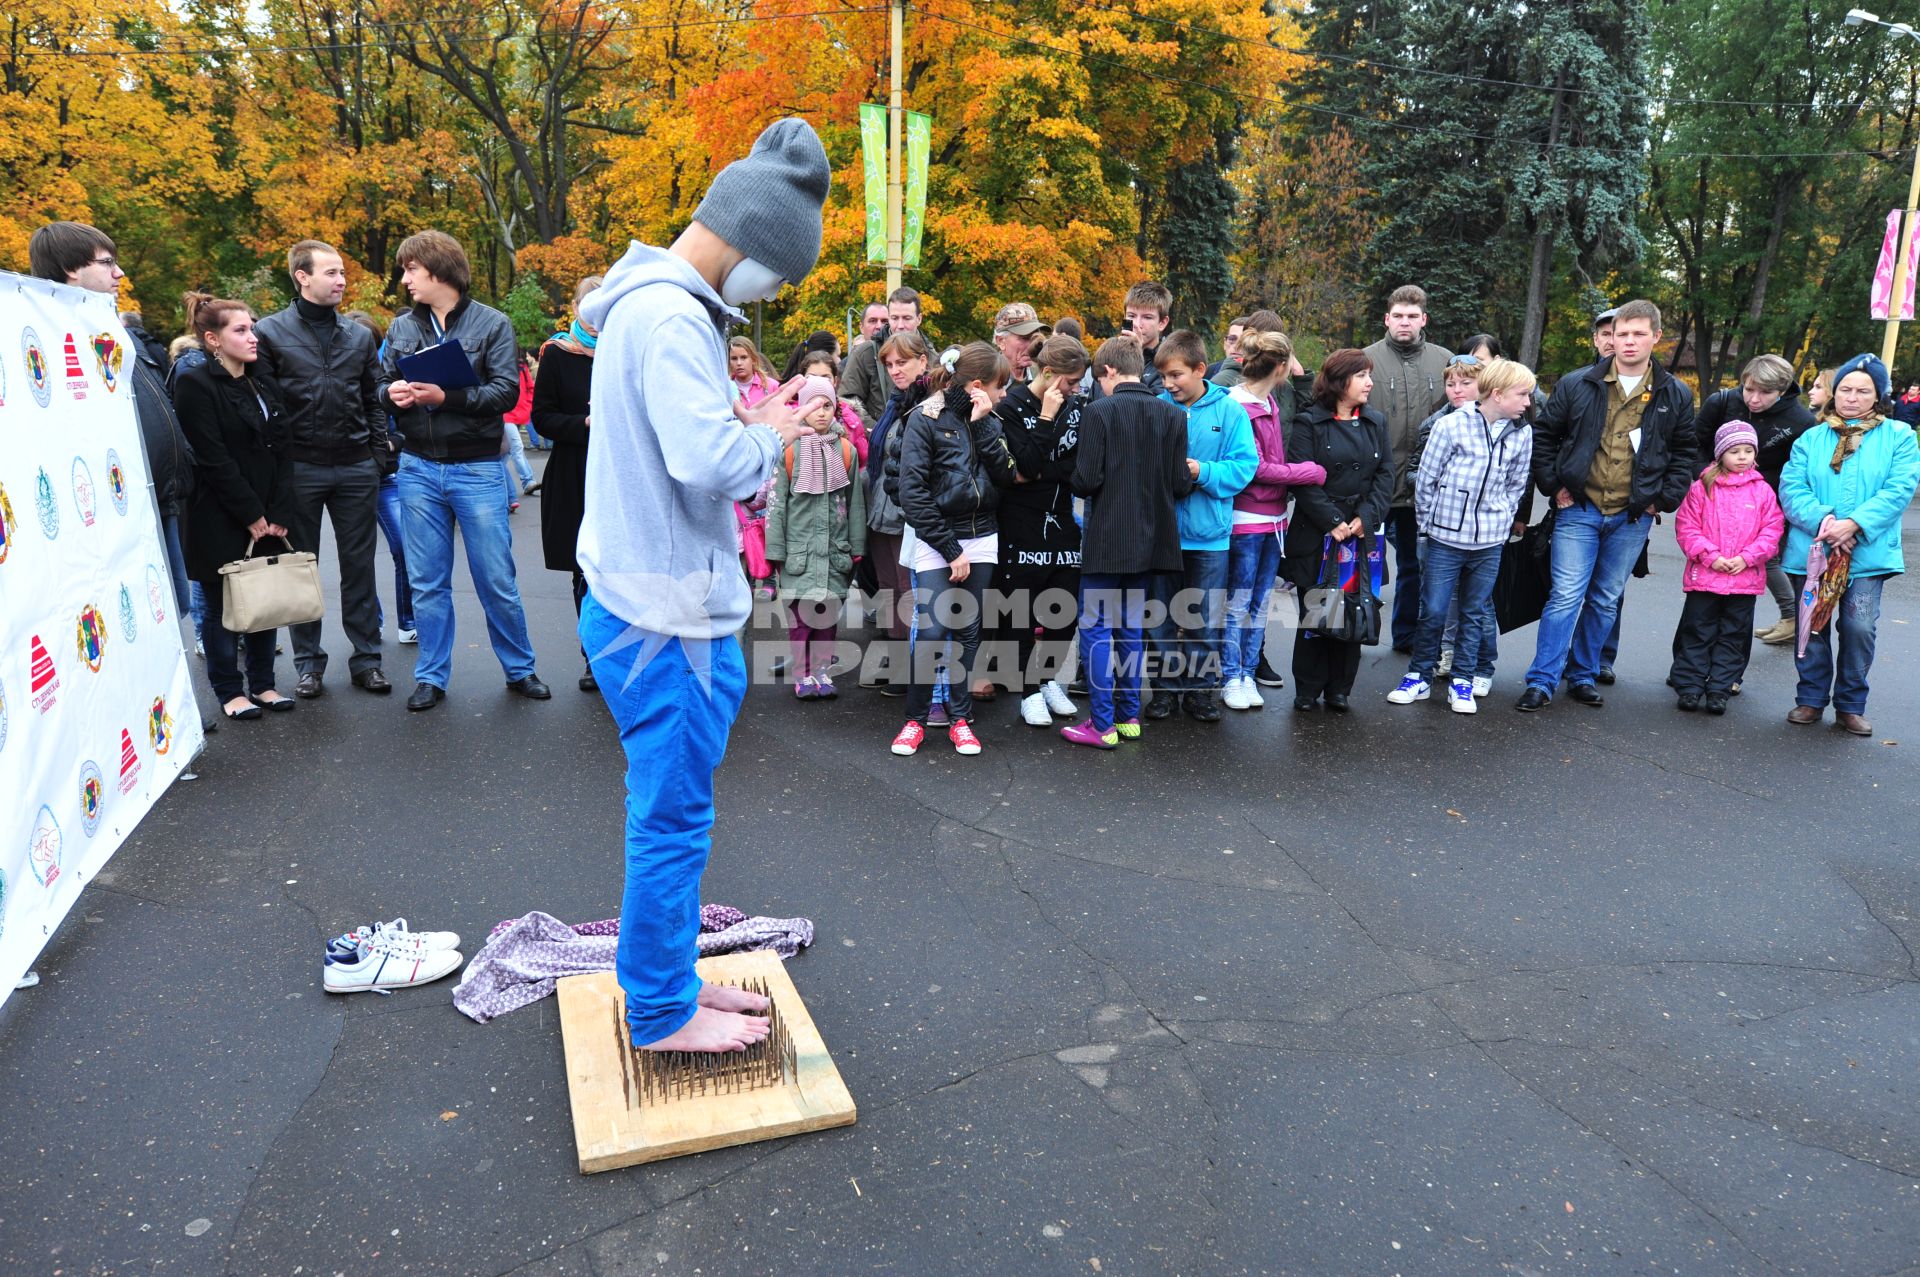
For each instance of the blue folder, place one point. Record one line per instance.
(445, 365)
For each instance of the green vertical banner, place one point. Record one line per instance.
(919, 143)
(873, 157)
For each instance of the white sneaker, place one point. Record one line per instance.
(1033, 711)
(1412, 688)
(1058, 700)
(200, 649)
(400, 931)
(386, 961)
(1460, 697)
(1252, 692)
(1443, 666)
(409, 636)
(1482, 684)
(1234, 695)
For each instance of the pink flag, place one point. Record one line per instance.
(1883, 273)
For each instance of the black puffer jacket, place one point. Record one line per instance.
(1567, 437)
(1778, 427)
(330, 378)
(951, 473)
(168, 455)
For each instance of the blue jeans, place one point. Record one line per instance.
(517, 458)
(1186, 642)
(1253, 561)
(1403, 530)
(224, 651)
(388, 512)
(1855, 621)
(946, 639)
(674, 701)
(1592, 555)
(1113, 643)
(177, 568)
(434, 496)
(1610, 650)
(1449, 576)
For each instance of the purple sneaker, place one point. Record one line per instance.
(1087, 734)
(937, 716)
(823, 687)
(805, 689)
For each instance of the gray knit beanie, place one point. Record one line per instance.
(768, 204)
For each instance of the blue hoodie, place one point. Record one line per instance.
(658, 542)
(1220, 438)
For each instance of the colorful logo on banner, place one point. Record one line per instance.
(45, 679)
(156, 595)
(116, 482)
(129, 626)
(76, 371)
(129, 763)
(90, 636)
(44, 845)
(8, 524)
(159, 726)
(93, 797)
(39, 377)
(83, 494)
(46, 505)
(873, 162)
(108, 356)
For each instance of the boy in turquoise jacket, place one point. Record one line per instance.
(1222, 458)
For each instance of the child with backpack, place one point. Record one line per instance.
(816, 528)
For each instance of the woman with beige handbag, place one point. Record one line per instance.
(230, 410)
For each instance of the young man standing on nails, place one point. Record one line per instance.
(659, 546)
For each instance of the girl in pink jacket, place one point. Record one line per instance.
(1728, 527)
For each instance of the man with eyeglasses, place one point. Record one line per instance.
(84, 257)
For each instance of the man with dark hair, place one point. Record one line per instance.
(861, 382)
(450, 466)
(873, 321)
(1407, 383)
(336, 434)
(1145, 314)
(82, 256)
(1614, 446)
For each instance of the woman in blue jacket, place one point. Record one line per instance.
(1847, 482)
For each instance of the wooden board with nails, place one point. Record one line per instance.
(631, 1107)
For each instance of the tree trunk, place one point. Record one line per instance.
(1539, 269)
(1783, 196)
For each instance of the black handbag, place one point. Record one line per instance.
(1525, 581)
(1349, 614)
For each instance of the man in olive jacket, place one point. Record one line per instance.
(1614, 447)
(336, 434)
(1409, 378)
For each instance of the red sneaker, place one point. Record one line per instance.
(964, 741)
(907, 743)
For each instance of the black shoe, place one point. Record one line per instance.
(1604, 676)
(1301, 705)
(1716, 704)
(372, 680)
(309, 686)
(1201, 707)
(1689, 702)
(1079, 688)
(1336, 702)
(1587, 694)
(588, 683)
(1405, 649)
(1532, 699)
(531, 687)
(1267, 676)
(425, 696)
(1161, 705)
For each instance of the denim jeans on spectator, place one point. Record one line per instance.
(1190, 654)
(1113, 643)
(390, 515)
(517, 458)
(1453, 577)
(946, 637)
(1854, 626)
(435, 495)
(1592, 555)
(223, 661)
(1253, 561)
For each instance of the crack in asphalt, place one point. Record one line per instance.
(1590, 737)
(1913, 965)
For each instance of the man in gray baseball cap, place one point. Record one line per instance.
(1018, 332)
(672, 451)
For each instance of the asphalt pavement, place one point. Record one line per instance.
(1615, 991)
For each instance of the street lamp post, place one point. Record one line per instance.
(1860, 17)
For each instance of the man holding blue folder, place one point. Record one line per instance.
(455, 370)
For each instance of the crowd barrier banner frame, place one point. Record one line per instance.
(97, 708)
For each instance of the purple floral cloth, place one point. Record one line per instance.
(525, 957)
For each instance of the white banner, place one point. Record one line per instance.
(97, 715)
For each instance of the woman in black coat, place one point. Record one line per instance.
(1350, 439)
(230, 412)
(561, 397)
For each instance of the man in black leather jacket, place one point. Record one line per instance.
(329, 375)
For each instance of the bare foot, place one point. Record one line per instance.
(713, 1031)
(724, 997)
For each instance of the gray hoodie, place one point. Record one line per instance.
(659, 543)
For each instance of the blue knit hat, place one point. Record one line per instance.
(1870, 365)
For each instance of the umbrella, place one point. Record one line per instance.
(1827, 573)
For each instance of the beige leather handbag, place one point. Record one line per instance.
(273, 590)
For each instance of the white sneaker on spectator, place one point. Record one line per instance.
(1443, 666)
(1252, 691)
(409, 636)
(1482, 684)
(1460, 697)
(1057, 699)
(392, 960)
(1412, 688)
(1234, 695)
(1033, 711)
